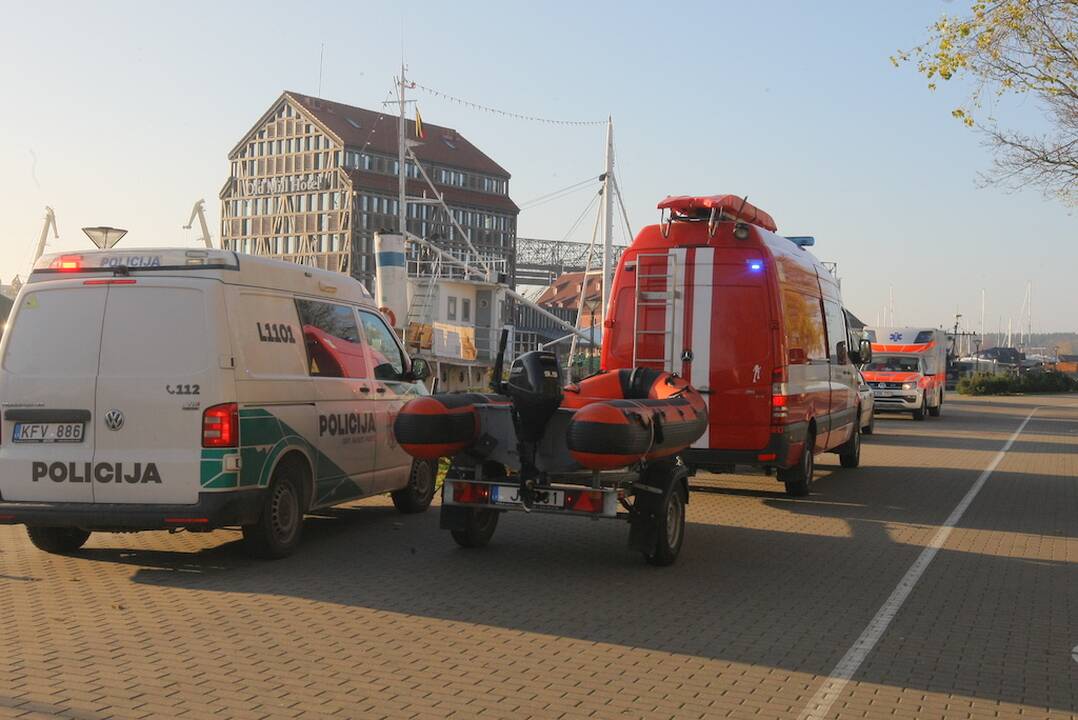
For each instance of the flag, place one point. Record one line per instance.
(419, 133)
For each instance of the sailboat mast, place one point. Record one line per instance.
(402, 201)
(608, 217)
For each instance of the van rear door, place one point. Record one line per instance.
(735, 365)
(159, 371)
(47, 382)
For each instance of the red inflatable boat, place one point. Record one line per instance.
(619, 418)
(442, 425)
(653, 414)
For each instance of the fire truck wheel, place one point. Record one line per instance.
(798, 479)
(415, 497)
(919, 413)
(478, 529)
(58, 540)
(850, 454)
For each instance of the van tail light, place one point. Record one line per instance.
(780, 404)
(221, 426)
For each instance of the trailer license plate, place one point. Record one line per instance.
(48, 432)
(510, 495)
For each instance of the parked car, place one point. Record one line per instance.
(868, 405)
(755, 322)
(173, 388)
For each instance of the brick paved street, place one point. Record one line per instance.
(381, 615)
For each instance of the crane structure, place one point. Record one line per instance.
(199, 211)
(50, 221)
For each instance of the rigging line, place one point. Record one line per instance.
(585, 277)
(554, 198)
(571, 187)
(581, 217)
(374, 125)
(505, 113)
(624, 213)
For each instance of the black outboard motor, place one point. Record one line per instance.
(535, 391)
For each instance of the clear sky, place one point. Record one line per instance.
(122, 113)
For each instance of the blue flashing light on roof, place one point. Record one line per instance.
(756, 265)
(802, 241)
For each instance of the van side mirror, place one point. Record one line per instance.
(863, 354)
(420, 370)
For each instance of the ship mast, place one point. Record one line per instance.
(608, 219)
(402, 149)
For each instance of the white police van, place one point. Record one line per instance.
(173, 388)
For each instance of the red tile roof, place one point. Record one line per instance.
(416, 188)
(565, 291)
(457, 152)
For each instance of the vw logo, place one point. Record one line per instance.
(114, 419)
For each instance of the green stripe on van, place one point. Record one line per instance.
(263, 438)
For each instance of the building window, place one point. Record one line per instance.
(451, 308)
(465, 310)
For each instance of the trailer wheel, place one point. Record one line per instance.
(798, 479)
(478, 528)
(58, 540)
(415, 497)
(669, 527)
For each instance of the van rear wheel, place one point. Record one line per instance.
(416, 496)
(278, 530)
(58, 540)
(798, 479)
(849, 456)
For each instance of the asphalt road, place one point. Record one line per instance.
(849, 603)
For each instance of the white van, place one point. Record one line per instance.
(173, 388)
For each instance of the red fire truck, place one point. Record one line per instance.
(755, 322)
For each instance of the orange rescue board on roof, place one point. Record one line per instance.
(737, 207)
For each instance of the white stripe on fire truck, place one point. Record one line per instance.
(701, 338)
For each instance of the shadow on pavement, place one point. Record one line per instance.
(793, 593)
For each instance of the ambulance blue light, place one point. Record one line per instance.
(756, 265)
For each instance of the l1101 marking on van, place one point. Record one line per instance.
(101, 472)
(275, 333)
